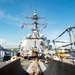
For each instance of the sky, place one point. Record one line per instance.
(59, 14)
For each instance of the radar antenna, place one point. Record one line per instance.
(35, 24)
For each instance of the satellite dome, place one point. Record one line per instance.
(41, 35)
(28, 35)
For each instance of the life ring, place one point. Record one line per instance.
(13, 58)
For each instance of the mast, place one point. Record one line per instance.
(35, 24)
(34, 39)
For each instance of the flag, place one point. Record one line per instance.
(22, 26)
(44, 26)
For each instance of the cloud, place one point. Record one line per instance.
(7, 44)
(10, 45)
(10, 19)
(2, 41)
(2, 14)
(54, 34)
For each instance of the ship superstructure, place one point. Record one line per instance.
(35, 40)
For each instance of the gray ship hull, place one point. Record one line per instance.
(54, 68)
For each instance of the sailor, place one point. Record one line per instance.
(47, 56)
(17, 56)
(36, 67)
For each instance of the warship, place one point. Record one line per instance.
(37, 46)
(34, 42)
